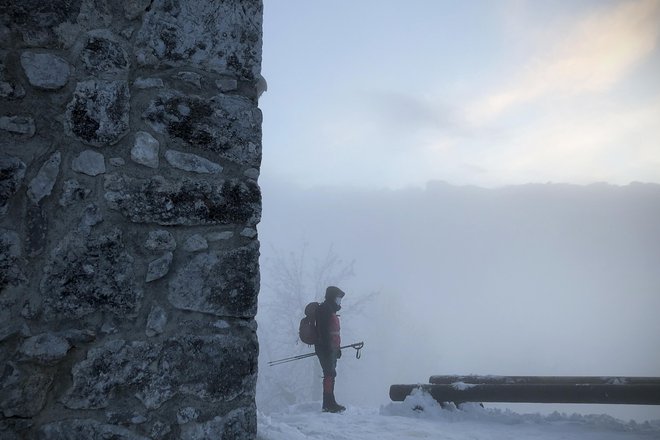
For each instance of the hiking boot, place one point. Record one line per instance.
(334, 408)
(330, 404)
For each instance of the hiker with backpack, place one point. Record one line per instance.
(327, 346)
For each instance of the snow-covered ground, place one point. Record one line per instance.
(420, 417)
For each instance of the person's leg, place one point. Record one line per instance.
(328, 360)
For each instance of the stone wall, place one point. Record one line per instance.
(130, 147)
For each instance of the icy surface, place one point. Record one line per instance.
(419, 416)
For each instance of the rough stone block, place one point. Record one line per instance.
(218, 283)
(159, 267)
(229, 126)
(87, 274)
(89, 162)
(98, 113)
(45, 349)
(145, 150)
(108, 368)
(45, 70)
(214, 366)
(185, 201)
(42, 185)
(219, 236)
(223, 37)
(191, 162)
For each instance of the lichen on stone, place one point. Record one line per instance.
(98, 113)
(87, 274)
(218, 283)
(229, 126)
(184, 201)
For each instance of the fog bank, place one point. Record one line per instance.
(522, 280)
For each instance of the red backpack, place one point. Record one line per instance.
(307, 331)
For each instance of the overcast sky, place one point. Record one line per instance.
(391, 93)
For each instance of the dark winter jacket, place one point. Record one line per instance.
(327, 323)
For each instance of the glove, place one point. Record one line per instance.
(338, 354)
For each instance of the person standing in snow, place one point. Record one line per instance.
(327, 349)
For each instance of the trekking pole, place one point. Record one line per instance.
(357, 346)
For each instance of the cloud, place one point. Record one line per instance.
(594, 55)
(618, 146)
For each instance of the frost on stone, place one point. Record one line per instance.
(87, 274)
(98, 113)
(223, 37)
(44, 70)
(12, 172)
(145, 150)
(89, 162)
(191, 162)
(183, 201)
(229, 126)
(42, 185)
(218, 283)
